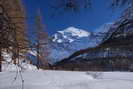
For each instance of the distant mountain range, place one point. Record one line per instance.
(72, 39)
(113, 52)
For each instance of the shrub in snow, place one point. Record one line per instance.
(95, 75)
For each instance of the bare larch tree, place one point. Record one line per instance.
(12, 29)
(41, 42)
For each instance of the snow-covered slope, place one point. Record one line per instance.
(104, 28)
(66, 80)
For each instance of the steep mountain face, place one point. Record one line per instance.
(127, 13)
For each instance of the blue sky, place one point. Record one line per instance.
(88, 19)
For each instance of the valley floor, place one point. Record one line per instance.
(39, 79)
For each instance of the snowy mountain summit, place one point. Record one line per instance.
(66, 42)
(69, 35)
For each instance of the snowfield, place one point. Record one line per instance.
(39, 79)
(11, 78)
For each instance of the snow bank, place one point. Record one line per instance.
(12, 67)
(8, 65)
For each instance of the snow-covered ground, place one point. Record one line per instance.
(66, 80)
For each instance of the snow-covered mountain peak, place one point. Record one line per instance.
(69, 35)
(75, 32)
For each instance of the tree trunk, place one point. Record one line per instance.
(38, 55)
(0, 60)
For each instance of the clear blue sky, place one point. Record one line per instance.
(88, 19)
